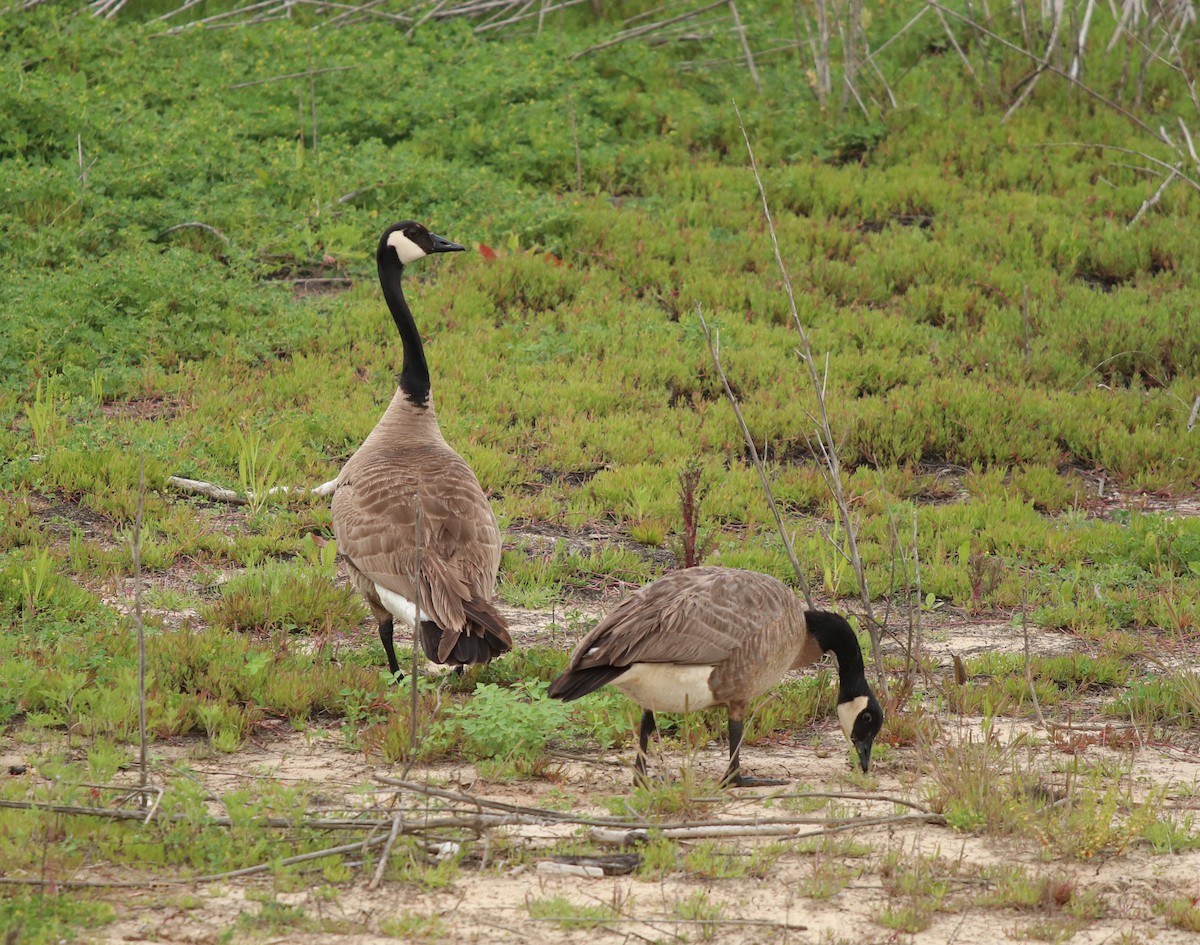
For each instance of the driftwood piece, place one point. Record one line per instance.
(794, 829)
(221, 494)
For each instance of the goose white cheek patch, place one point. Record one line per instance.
(848, 712)
(406, 249)
(399, 606)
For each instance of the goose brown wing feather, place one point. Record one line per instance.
(374, 522)
(698, 616)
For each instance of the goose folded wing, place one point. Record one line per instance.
(460, 548)
(698, 617)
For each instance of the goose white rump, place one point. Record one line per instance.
(667, 687)
(399, 606)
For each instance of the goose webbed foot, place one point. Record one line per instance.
(733, 774)
(385, 637)
(647, 728)
(737, 779)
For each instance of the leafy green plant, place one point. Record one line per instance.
(258, 468)
(1181, 913)
(283, 596)
(45, 421)
(510, 725)
(569, 915)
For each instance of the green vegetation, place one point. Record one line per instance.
(1009, 310)
(568, 915)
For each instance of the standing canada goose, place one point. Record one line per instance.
(404, 460)
(705, 637)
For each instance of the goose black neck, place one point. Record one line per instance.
(835, 635)
(414, 373)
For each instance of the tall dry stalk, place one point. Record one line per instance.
(831, 466)
(141, 625)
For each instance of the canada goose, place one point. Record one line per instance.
(404, 459)
(705, 637)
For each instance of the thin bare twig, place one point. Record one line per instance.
(1028, 661)
(1158, 162)
(957, 48)
(578, 155)
(381, 866)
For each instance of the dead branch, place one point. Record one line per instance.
(856, 796)
(1081, 40)
(224, 15)
(207, 489)
(1154, 198)
(220, 494)
(660, 920)
(900, 32)
(186, 6)
(957, 48)
(517, 813)
(541, 12)
(1191, 424)
(794, 829)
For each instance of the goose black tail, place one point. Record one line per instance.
(575, 683)
(484, 638)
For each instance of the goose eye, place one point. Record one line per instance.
(866, 717)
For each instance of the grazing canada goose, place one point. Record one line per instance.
(705, 637)
(405, 459)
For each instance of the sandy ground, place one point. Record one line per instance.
(491, 904)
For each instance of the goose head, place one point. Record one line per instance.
(411, 241)
(861, 719)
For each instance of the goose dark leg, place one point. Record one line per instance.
(385, 636)
(648, 728)
(733, 774)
